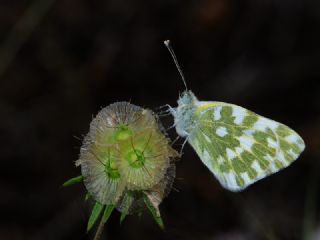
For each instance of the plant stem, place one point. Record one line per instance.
(100, 228)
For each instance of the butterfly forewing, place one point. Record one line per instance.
(241, 147)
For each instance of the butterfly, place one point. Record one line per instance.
(237, 145)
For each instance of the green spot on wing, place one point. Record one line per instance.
(249, 159)
(259, 151)
(238, 165)
(239, 180)
(249, 120)
(226, 114)
(224, 167)
(283, 131)
(278, 164)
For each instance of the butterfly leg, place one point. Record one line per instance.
(182, 146)
(166, 112)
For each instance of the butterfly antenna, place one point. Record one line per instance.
(168, 45)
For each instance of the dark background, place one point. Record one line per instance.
(61, 61)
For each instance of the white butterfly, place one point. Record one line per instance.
(238, 146)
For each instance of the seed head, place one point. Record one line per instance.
(124, 155)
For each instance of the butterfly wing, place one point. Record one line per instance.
(239, 146)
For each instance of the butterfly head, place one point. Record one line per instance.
(187, 98)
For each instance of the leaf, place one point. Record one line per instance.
(155, 212)
(123, 216)
(96, 212)
(126, 205)
(87, 197)
(107, 212)
(73, 181)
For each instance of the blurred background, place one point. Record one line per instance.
(61, 61)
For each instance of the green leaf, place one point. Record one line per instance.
(73, 181)
(87, 197)
(107, 212)
(123, 216)
(155, 212)
(96, 212)
(126, 204)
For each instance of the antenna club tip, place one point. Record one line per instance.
(166, 42)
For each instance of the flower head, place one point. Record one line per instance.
(126, 157)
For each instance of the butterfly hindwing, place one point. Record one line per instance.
(240, 147)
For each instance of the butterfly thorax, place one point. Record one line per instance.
(184, 113)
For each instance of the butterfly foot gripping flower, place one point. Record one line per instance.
(126, 162)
